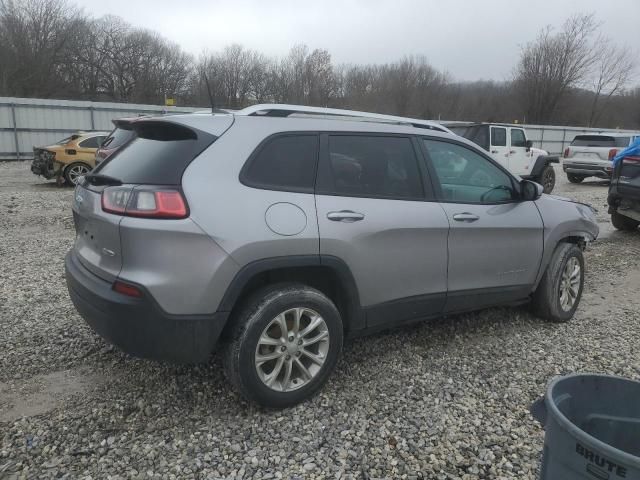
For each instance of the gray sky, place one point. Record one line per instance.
(471, 39)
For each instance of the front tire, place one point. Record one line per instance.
(558, 294)
(74, 171)
(285, 343)
(621, 222)
(548, 179)
(574, 178)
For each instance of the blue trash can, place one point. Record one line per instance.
(592, 428)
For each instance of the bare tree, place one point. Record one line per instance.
(319, 79)
(36, 37)
(555, 63)
(51, 48)
(613, 70)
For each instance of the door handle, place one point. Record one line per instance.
(512, 151)
(494, 151)
(465, 217)
(345, 216)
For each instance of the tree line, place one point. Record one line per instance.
(571, 74)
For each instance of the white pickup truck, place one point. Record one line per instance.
(509, 146)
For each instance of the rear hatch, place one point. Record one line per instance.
(152, 163)
(595, 149)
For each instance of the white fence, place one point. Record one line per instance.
(29, 122)
(554, 139)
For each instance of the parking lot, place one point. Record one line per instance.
(445, 399)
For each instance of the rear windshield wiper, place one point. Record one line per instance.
(99, 179)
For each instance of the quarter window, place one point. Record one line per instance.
(467, 177)
(284, 163)
(371, 166)
(517, 138)
(498, 136)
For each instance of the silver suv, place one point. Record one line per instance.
(592, 155)
(276, 231)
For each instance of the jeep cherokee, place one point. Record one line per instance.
(274, 232)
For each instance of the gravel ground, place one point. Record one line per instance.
(446, 399)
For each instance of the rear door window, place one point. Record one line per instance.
(371, 166)
(158, 155)
(286, 162)
(498, 136)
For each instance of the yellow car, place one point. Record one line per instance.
(68, 159)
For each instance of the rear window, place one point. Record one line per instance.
(117, 138)
(158, 155)
(478, 134)
(66, 140)
(92, 142)
(605, 141)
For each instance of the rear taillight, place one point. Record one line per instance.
(146, 202)
(612, 153)
(631, 159)
(566, 152)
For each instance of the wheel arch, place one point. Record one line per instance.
(81, 162)
(581, 239)
(541, 162)
(326, 273)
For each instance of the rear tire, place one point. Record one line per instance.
(558, 294)
(548, 179)
(574, 178)
(623, 223)
(301, 363)
(74, 171)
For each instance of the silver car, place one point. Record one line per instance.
(274, 232)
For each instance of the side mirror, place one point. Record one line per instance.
(528, 144)
(530, 190)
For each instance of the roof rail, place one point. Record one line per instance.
(283, 110)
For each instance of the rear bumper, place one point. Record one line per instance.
(588, 170)
(139, 326)
(626, 203)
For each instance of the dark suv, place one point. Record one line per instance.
(624, 191)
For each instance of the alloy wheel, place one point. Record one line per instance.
(292, 349)
(570, 284)
(77, 171)
(548, 182)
